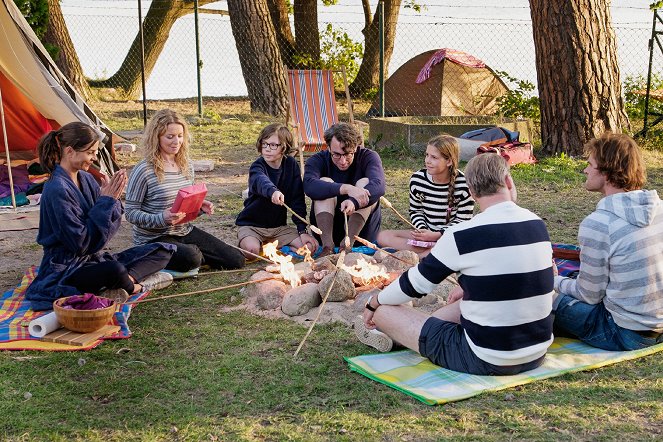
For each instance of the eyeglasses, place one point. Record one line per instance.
(272, 146)
(348, 156)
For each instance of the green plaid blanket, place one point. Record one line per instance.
(408, 372)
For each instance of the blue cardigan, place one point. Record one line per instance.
(74, 227)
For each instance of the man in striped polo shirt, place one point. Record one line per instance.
(498, 322)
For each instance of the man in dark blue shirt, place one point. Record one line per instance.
(344, 180)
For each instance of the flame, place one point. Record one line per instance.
(306, 253)
(368, 273)
(287, 268)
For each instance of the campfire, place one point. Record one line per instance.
(294, 288)
(364, 272)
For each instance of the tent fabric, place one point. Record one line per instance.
(312, 105)
(457, 57)
(452, 89)
(45, 94)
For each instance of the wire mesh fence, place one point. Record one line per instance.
(103, 38)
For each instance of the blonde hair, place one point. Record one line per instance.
(155, 128)
(450, 150)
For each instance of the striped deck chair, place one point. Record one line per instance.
(313, 107)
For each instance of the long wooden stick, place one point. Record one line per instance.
(346, 240)
(214, 289)
(387, 203)
(341, 258)
(314, 228)
(214, 272)
(252, 254)
(367, 243)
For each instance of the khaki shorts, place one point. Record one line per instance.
(284, 234)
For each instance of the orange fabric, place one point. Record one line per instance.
(312, 106)
(25, 124)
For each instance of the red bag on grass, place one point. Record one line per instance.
(514, 152)
(190, 199)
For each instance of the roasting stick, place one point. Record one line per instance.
(214, 289)
(339, 263)
(314, 228)
(346, 240)
(375, 247)
(252, 254)
(386, 202)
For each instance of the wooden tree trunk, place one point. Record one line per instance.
(307, 34)
(67, 60)
(577, 72)
(278, 10)
(259, 56)
(369, 71)
(156, 28)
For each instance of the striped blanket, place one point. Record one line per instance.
(16, 314)
(416, 376)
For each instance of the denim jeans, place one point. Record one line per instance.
(593, 325)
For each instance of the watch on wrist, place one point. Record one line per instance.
(369, 307)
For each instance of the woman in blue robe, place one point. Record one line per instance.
(77, 220)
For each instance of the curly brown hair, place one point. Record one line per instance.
(619, 158)
(346, 134)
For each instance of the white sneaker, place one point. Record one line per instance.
(120, 296)
(372, 338)
(156, 281)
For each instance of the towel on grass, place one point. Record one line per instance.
(16, 314)
(287, 250)
(416, 376)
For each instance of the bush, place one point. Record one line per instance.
(519, 102)
(634, 103)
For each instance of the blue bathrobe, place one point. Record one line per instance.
(74, 226)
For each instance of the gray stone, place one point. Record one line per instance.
(343, 287)
(268, 295)
(352, 258)
(379, 255)
(393, 264)
(300, 300)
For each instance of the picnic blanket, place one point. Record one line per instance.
(16, 314)
(416, 376)
(287, 250)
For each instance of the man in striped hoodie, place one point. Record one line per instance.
(616, 302)
(499, 321)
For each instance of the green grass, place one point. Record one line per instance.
(194, 372)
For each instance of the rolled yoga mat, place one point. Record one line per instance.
(43, 325)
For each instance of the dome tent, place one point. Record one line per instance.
(443, 82)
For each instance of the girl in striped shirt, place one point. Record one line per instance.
(439, 198)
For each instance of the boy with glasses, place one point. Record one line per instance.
(274, 181)
(344, 180)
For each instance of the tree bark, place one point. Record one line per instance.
(156, 28)
(67, 60)
(369, 71)
(259, 56)
(306, 28)
(577, 73)
(278, 10)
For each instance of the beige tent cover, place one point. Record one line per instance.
(452, 89)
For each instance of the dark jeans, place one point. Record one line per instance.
(444, 344)
(199, 247)
(593, 325)
(94, 277)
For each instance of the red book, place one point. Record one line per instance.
(189, 200)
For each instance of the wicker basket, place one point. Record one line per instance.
(83, 321)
